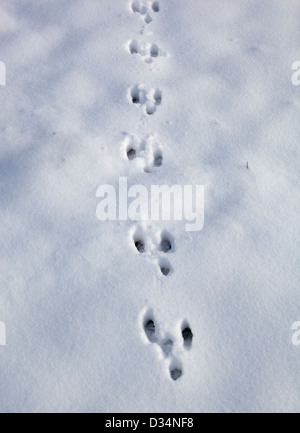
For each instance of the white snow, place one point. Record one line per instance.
(75, 292)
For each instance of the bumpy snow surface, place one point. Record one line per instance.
(145, 316)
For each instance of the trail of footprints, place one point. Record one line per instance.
(172, 348)
(145, 9)
(155, 247)
(147, 51)
(149, 100)
(148, 155)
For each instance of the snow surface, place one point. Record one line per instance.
(75, 292)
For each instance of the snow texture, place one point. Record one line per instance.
(163, 92)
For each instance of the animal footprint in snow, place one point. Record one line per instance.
(167, 245)
(187, 335)
(139, 240)
(147, 51)
(149, 100)
(165, 267)
(145, 243)
(175, 369)
(147, 153)
(155, 6)
(149, 328)
(144, 8)
(172, 347)
(167, 242)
